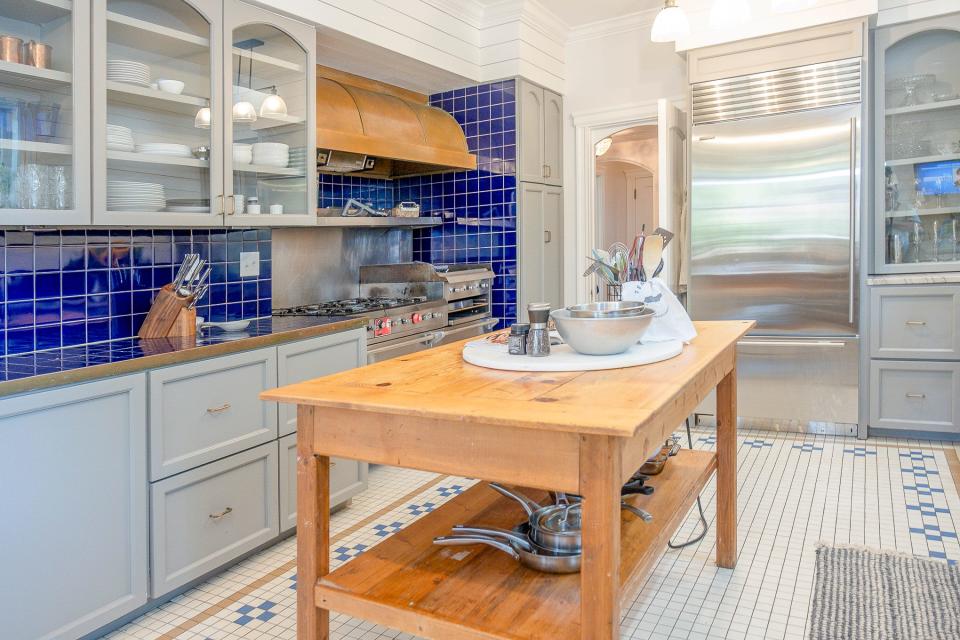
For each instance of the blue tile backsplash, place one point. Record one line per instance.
(70, 287)
(335, 190)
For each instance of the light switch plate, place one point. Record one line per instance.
(249, 264)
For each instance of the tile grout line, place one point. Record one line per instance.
(264, 579)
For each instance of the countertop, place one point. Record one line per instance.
(44, 369)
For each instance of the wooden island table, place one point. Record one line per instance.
(578, 432)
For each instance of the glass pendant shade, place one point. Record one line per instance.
(273, 105)
(726, 14)
(244, 112)
(603, 146)
(202, 121)
(670, 24)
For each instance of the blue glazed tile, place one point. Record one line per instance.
(19, 287)
(98, 256)
(47, 311)
(19, 260)
(20, 340)
(20, 314)
(143, 255)
(98, 281)
(98, 306)
(48, 285)
(72, 257)
(73, 308)
(141, 301)
(73, 283)
(73, 333)
(162, 252)
(98, 330)
(47, 258)
(48, 337)
(121, 304)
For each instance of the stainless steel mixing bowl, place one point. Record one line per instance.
(606, 309)
(601, 336)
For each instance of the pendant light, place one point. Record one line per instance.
(273, 105)
(789, 6)
(727, 14)
(203, 118)
(670, 24)
(603, 146)
(244, 111)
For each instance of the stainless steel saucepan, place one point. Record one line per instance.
(516, 546)
(564, 539)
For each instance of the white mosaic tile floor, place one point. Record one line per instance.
(794, 491)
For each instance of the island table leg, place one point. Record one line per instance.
(313, 528)
(600, 481)
(727, 470)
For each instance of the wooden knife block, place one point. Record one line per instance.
(169, 316)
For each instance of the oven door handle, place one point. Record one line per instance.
(433, 338)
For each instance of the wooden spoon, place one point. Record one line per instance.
(652, 253)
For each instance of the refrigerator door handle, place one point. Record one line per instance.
(791, 343)
(853, 215)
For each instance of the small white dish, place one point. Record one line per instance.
(229, 327)
(170, 86)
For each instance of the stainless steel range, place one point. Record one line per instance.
(413, 306)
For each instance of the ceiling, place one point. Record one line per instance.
(579, 12)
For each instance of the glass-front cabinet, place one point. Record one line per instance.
(917, 196)
(200, 116)
(44, 108)
(269, 123)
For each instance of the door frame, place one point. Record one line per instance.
(591, 127)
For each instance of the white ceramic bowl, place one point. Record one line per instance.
(601, 336)
(170, 86)
(242, 153)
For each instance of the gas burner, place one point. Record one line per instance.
(348, 307)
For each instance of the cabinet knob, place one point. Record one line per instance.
(916, 395)
(916, 323)
(220, 409)
(217, 516)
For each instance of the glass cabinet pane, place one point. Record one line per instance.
(269, 122)
(37, 117)
(159, 120)
(921, 179)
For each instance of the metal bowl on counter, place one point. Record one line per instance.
(614, 309)
(604, 336)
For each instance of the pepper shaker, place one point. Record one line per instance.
(538, 338)
(517, 341)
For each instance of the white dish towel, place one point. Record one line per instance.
(671, 321)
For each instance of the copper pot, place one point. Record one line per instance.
(37, 54)
(10, 49)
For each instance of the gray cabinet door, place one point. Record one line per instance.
(920, 322)
(73, 543)
(208, 516)
(347, 479)
(541, 246)
(552, 138)
(205, 410)
(315, 358)
(915, 396)
(530, 163)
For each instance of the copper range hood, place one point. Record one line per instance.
(394, 126)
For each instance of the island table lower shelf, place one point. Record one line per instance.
(408, 583)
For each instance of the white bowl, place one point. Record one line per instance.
(242, 153)
(170, 86)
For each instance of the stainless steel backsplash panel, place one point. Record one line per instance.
(312, 265)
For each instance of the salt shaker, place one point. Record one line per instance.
(538, 339)
(517, 341)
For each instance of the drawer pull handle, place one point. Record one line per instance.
(916, 395)
(220, 409)
(217, 516)
(916, 323)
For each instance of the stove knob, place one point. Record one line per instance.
(417, 318)
(403, 321)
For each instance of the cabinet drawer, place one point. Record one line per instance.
(347, 479)
(208, 516)
(919, 396)
(203, 411)
(915, 322)
(315, 358)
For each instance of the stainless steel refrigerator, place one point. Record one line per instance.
(774, 224)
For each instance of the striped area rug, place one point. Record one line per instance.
(867, 594)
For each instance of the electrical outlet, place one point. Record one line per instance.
(249, 264)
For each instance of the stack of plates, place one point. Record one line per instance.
(165, 149)
(128, 71)
(189, 205)
(298, 158)
(119, 138)
(271, 154)
(135, 196)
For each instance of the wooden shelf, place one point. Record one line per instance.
(26, 146)
(909, 213)
(261, 58)
(408, 583)
(154, 99)
(35, 77)
(140, 34)
(389, 221)
(922, 108)
(147, 158)
(35, 11)
(276, 171)
(922, 160)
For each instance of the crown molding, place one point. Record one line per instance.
(468, 11)
(637, 21)
(530, 13)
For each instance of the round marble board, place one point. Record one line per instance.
(564, 358)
